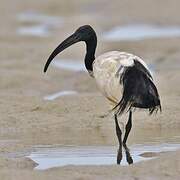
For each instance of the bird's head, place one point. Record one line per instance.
(84, 33)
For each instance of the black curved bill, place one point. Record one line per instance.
(74, 38)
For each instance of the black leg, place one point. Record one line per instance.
(128, 155)
(118, 130)
(118, 133)
(119, 155)
(128, 127)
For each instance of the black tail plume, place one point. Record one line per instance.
(139, 90)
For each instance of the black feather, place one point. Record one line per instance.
(139, 90)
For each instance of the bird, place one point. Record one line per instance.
(123, 78)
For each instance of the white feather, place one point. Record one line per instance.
(105, 69)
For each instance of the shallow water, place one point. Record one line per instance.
(36, 24)
(35, 30)
(49, 156)
(140, 32)
(69, 64)
(35, 17)
(59, 94)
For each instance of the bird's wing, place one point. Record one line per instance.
(129, 60)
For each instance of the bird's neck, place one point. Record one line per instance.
(90, 53)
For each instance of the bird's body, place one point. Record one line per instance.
(107, 70)
(123, 78)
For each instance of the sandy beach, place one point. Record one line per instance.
(29, 32)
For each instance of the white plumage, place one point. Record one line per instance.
(107, 69)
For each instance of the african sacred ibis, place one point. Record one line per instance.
(123, 78)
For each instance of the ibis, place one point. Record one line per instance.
(123, 78)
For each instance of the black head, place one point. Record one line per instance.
(84, 33)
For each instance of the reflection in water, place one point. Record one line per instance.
(49, 156)
(129, 158)
(128, 155)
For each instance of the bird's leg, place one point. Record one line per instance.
(128, 155)
(118, 133)
(119, 154)
(118, 130)
(128, 127)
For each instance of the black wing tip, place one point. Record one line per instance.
(139, 91)
(155, 110)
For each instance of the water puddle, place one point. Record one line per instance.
(59, 94)
(37, 30)
(34, 17)
(49, 156)
(36, 24)
(69, 64)
(140, 32)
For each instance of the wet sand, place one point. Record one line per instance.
(28, 120)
